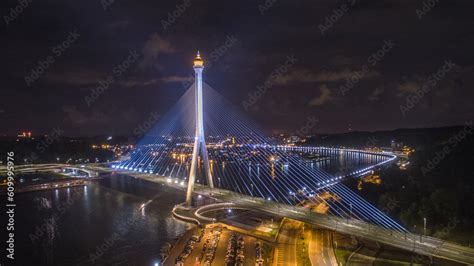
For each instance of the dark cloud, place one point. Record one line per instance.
(323, 98)
(153, 47)
(306, 76)
(262, 43)
(375, 95)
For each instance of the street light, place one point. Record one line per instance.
(351, 213)
(414, 239)
(424, 226)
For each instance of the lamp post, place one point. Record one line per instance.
(414, 240)
(424, 226)
(350, 214)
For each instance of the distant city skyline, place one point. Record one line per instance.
(237, 132)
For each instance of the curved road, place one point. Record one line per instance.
(321, 250)
(285, 251)
(411, 242)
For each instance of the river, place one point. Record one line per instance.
(103, 223)
(97, 224)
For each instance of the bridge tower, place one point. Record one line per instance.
(199, 140)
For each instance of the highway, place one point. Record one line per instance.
(411, 242)
(285, 251)
(424, 245)
(31, 168)
(321, 250)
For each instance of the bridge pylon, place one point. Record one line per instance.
(199, 139)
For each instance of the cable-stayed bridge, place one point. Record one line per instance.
(207, 144)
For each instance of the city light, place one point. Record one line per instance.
(329, 163)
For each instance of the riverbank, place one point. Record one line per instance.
(72, 224)
(53, 184)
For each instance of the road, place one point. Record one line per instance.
(285, 251)
(31, 168)
(249, 250)
(407, 241)
(363, 255)
(411, 242)
(321, 250)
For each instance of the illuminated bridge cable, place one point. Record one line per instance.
(383, 221)
(264, 163)
(240, 160)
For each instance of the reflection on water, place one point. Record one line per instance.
(103, 224)
(343, 162)
(296, 170)
(98, 224)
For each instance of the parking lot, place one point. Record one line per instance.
(213, 248)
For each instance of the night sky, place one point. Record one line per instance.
(348, 64)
